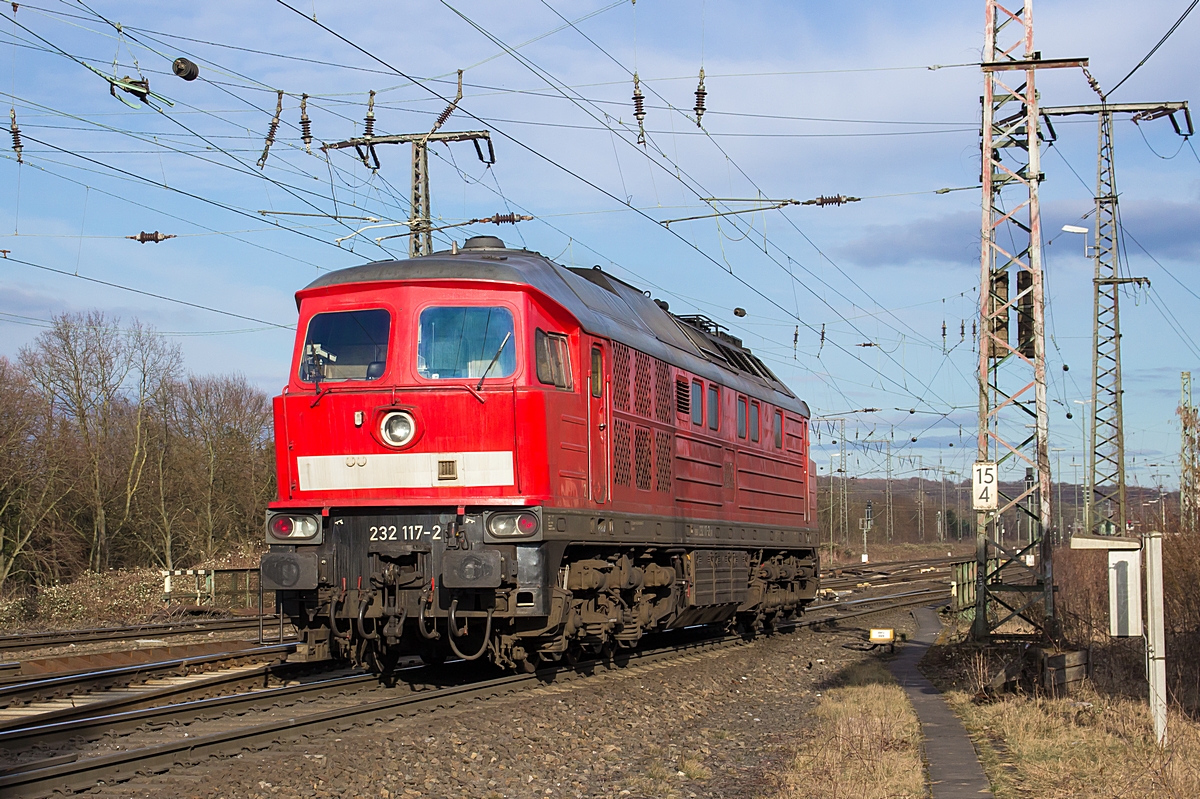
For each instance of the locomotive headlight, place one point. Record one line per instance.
(397, 428)
(512, 525)
(293, 527)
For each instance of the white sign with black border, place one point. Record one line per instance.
(985, 485)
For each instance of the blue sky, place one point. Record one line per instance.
(804, 99)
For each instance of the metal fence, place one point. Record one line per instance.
(215, 588)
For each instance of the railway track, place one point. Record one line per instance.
(84, 693)
(262, 717)
(94, 634)
(881, 574)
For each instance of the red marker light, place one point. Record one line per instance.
(527, 523)
(282, 526)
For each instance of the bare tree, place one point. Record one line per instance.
(98, 377)
(30, 489)
(227, 421)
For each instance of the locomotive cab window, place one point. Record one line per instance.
(345, 345)
(754, 421)
(741, 410)
(697, 402)
(714, 407)
(471, 342)
(779, 429)
(553, 359)
(597, 370)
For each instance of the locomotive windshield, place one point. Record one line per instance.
(346, 345)
(464, 342)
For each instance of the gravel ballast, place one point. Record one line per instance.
(719, 723)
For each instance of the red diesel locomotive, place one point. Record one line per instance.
(482, 452)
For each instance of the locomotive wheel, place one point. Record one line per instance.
(383, 659)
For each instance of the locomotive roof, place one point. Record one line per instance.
(604, 305)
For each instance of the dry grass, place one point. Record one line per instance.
(866, 743)
(1118, 665)
(670, 779)
(1086, 746)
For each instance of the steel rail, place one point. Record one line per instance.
(885, 597)
(92, 727)
(134, 700)
(25, 671)
(56, 637)
(49, 687)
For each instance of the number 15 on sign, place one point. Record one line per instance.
(985, 486)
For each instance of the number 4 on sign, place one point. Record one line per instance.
(985, 486)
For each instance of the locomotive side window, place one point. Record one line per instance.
(597, 371)
(465, 342)
(714, 407)
(346, 345)
(553, 359)
(697, 402)
(754, 421)
(741, 408)
(779, 429)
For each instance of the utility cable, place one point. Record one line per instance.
(542, 74)
(146, 293)
(1153, 49)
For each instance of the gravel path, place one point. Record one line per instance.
(714, 724)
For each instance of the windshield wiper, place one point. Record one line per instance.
(495, 358)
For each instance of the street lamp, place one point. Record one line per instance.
(1081, 230)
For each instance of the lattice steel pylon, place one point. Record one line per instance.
(1107, 468)
(1013, 414)
(1107, 511)
(887, 496)
(1189, 457)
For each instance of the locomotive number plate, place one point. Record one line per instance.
(404, 532)
(410, 528)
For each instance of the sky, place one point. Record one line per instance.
(847, 303)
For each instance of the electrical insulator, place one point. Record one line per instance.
(185, 69)
(16, 134)
(305, 124)
(272, 130)
(151, 238)
(639, 108)
(369, 123)
(701, 93)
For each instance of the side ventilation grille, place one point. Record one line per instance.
(621, 453)
(641, 457)
(662, 461)
(641, 383)
(662, 393)
(683, 397)
(620, 376)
